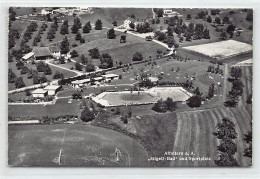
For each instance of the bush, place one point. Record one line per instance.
(87, 115)
(194, 101)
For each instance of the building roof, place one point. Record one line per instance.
(39, 91)
(28, 55)
(110, 75)
(42, 51)
(98, 78)
(54, 49)
(153, 79)
(80, 81)
(52, 87)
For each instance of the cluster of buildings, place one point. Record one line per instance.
(129, 20)
(171, 13)
(43, 53)
(103, 78)
(50, 90)
(66, 10)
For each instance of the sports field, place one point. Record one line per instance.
(222, 49)
(72, 145)
(141, 97)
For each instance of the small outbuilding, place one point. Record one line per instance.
(52, 89)
(28, 56)
(109, 77)
(39, 93)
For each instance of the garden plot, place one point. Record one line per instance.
(221, 49)
(150, 96)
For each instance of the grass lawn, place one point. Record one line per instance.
(108, 15)
(61, 107)
(157, 132)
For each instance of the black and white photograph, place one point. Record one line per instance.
(130, 87)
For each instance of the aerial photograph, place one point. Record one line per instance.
(129, 87)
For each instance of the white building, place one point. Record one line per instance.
(28, 56)
(154, 80)
(39, 93)
(80, 83)
(110, 77)
(52, 89)
(46, 11)
(127, 22)
(170, 13)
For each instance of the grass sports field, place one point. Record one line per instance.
(80, 146)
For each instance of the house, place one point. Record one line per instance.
(170, 13)
(127, 22)
(98, 79)
(39, 93)
(42, 53)
(55, 50)
(110, 77)
(46, 11)
(52, 89)
(28, 56)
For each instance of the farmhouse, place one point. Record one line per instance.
(128, 21)
(28, 56)
(42, 53)
(46, 11)
(55, 50)
(39, 93)
(109, 77)
(52, 89)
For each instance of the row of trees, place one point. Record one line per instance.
(163, 106)
(237, 87)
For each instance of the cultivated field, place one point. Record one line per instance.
(195, 134)
(79, 146)
(221, 49)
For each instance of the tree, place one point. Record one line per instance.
(19, 64)
(74, 29)
(90, 67)
(87, 115)
(137, 56)
(249, 99)
(65, 46)
(11, 76)
(78, 36)
(27, 92)
(123, 38)
(86, 29)
(12, 14)
(94, 53)
(209, 19)
(24, 70)
(226, 20)
(160, 12)
(169, 31)
(74, 54)
(111, 34)
(78, 66)
(197, 91)
(235, 72)
(160, 106)
(19, 83)
(132, 25)
(83, 59)
(58, 75)
(249, 16)
(161, 36)
(171, 106)
(230, 28)
(211, 91)
(64, 29)
(223, 35)
(226, 160)
(47, 70)
(218, 20)
(106, 61)
(188, 16)
(98, 25)
(114, 23)
(227, 146)
(194, 101)
(248, 139)
(226, 130)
